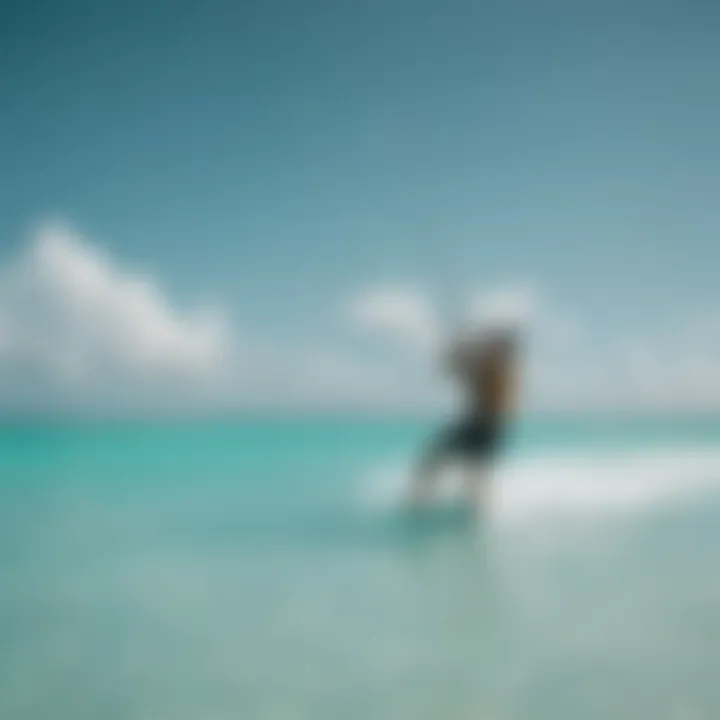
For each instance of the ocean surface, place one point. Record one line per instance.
(268, 568)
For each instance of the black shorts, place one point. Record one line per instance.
(469, 439)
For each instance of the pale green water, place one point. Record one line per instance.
(265, 569)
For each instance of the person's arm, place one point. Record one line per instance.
(453, 359)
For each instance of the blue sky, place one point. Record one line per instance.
(277, 158)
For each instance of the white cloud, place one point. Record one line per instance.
(409, 315)
(70, 314)
(507, 305)
(76, 325)
(397, 312)
(80, 329)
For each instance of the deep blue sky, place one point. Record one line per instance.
(280, 154)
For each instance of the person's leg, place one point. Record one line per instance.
(426, 477)
(477, 484)
(483, 443)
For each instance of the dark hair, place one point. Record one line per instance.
(505, 340)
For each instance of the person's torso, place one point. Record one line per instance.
(489, 384)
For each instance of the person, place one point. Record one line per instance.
(486, 368)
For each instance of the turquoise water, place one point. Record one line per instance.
(267, 569)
